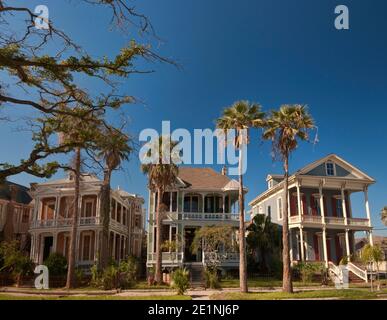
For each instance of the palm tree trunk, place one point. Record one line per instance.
(287, 273)
(158, 275)
(242, 238)
(105, 214)
(70, 283)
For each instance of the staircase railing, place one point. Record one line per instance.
(362, 274)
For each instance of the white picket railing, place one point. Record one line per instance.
(209, 216)
(362, 274)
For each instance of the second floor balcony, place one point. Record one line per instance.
(340, 222)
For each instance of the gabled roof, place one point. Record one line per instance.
(21, 192)
(340, 161)
(205, 179)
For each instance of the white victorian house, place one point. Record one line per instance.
(201, 197)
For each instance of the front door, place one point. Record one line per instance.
(189, 234)
(47, 246)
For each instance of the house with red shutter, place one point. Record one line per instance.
(322, 222)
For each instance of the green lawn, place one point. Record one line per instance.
(350, 294)
(264, 282)
(107, 297)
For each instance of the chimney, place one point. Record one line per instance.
(224, 171)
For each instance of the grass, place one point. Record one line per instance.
(264, 283)
(80, 297)
(350, 294)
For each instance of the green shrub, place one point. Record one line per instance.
(180, 280)
(109, 278)
(56, 264)
(308, 270)
(212, 278)
(128, 270)
(14, 261)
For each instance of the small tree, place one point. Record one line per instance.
(372, 256)
(215, 242)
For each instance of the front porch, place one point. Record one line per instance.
(321, 245)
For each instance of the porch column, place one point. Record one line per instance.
(96, 245)
(32, 251)
(322, 204)
(291, 246)
(324, 234)
(223, 203)
(203, 202)
(344, 205)
(170, 201)
(57, 205)
(288, 195)
(367, 206)
(114, 246)
(370, 239)
(54, 241)
(347, 249)
(299, 201)
(302, 244)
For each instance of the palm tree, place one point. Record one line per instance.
(241, 116)
(263, 237)
(284, 128)
(161, 176)
(113, 147)
(384, 215)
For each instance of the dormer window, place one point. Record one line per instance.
(330, 168)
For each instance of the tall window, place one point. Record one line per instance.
(88, 209)
(279, 207)
(269, 211)
(191, 203)
(26, 215)
(48, 210)
(330, 168)
(86, 248)
(339, 208)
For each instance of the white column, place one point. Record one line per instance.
(344, 205)
(57, 207)
(367, 206)
(32, 251)
(291, 246)
(170, 201)
(370, 239)
(302, 244)
(299, 201)
(347, 249)
(368, 211)
(223, 202)
(54, 241)
(182, 201)
(288, 195)
(324, 235)
(322, 204)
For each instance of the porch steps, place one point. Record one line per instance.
(196, 272)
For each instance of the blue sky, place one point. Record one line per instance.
(268, 51)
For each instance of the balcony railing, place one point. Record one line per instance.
(64, 222)
(167, 257)
(209, 216)
(221, 257)
(355, 222)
